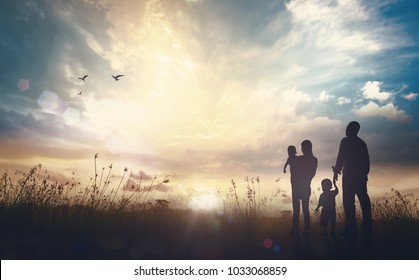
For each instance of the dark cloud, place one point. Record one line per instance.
(41, 41)
(26, 39)
(25, 136)
(391, 142)
(134, 185)
(141, 175)
(14, 124)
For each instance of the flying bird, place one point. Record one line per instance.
(84, 77)
(79, 93)
(117, 77)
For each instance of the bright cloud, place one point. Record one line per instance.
(332, 21)
(371, 90)
(343, 100)
(324, 96)
(388, 111)
(411, 96)
(379, 103)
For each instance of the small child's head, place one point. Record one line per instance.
(292, 151)
(326, 185)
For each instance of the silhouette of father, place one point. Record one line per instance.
(353, 159)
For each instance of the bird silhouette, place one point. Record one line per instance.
(117, 77)
(84, 77)
(79, 93)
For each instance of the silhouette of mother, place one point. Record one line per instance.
(304, 170)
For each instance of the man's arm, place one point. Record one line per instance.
(335, 175)
(336, 190)
(339, 160)
(367, 160)
(341, 157)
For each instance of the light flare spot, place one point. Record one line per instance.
(50, 102)
(230, 219)
(71, 116)
(267, 243)
(23, 85)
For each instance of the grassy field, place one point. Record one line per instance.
(44, 219)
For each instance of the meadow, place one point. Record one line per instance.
(41, 218)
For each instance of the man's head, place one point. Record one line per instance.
(306, 147)
(352, 129)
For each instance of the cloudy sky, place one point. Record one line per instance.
(213, 90)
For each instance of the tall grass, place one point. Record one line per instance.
(122, 219)
(37, 189)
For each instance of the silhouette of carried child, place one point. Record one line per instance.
(292, 157)
(328, 204)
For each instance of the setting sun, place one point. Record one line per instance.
(206, 202)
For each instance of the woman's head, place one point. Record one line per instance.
(307, 147)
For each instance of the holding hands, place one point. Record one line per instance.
(335, 175)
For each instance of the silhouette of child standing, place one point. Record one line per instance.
(292, 156)
(328, 204)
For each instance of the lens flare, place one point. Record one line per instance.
(267, 243)
(50, 102)
(23, 85)
(276, 249)
(71, 116)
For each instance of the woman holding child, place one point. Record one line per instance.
(303, 169)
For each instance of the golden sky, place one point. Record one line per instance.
(212, 90)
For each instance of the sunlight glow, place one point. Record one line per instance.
(206, 202)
